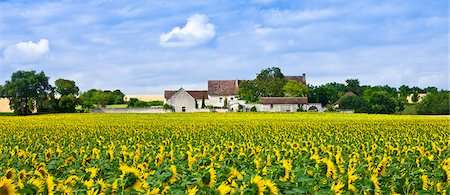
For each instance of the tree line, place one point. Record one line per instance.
(385, 99)
(30, 91)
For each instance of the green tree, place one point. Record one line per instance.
(225, 103)
(295, 89)
(404, 91)
(270, 82)
(68, 90)
(381, 101)
(66, 87)
(132, 102)
(118, 97)
(329, 93)
(248, 91)
(2, 92)
(196, 104)
(435, 103)
(357, 103)
(95, 97)
(203, 102)
(68, 103)
(431, 90)
(353, 86)
(26, 91)
(415, 97)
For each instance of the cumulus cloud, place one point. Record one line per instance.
(26, 52)
(197, 31)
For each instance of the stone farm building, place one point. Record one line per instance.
(183, 100)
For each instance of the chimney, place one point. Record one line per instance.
(304, 78)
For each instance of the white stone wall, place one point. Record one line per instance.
(216, 102)
(273, 108)
(182, 99)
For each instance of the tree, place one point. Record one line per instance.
(118, 97)
(26, 91)
(196, 104)
(353, 86)
(435, 103)
(225, 103)
(2, 92)
(68, 103)
(295, 89)
(203, 102)
(404, 91)
(357, 103)
(329, 93)
(68, 91)
(66, 87)
(415, 97)
(270, 82)
(431, 90)
(248, 91)
(381, 101)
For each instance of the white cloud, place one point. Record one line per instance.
(196, 31)
(26, 52)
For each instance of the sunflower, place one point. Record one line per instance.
(48, 154)
(7, 187)
(173, 177)
(351, 179)
(93, 172)
(192, 191)
(131, 176)
(295, 145)
(287, 167)
(155, 191)
(272, 187)
(50, 184)
(209, 178)
(224, 189)
(337, 187)
(9, 174)
(260, 184)
(159, 159)
(37, 183)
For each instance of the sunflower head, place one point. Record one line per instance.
(10, 174)
(7, 187)
(22, 175)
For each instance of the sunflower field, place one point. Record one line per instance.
(224, 153)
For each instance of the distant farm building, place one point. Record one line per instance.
(221, 91)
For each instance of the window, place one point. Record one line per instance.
(271, 106)
(232, 98)
(220, 100)
(183, 109)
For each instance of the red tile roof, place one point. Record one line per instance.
(284, 100)
(347, 94)
(300, 79)
(223, 87)
(197, 94)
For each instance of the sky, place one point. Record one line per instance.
(146, 47)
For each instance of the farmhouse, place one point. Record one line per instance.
(185, 101)
(222, 94)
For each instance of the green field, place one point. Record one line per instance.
(225, 153)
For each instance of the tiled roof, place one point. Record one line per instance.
(196, 94)
(347, 94)
(284, 100)
(223, 87)
(300, 79)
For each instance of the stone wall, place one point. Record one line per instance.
(129, 110)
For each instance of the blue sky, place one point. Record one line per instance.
(144, 47)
